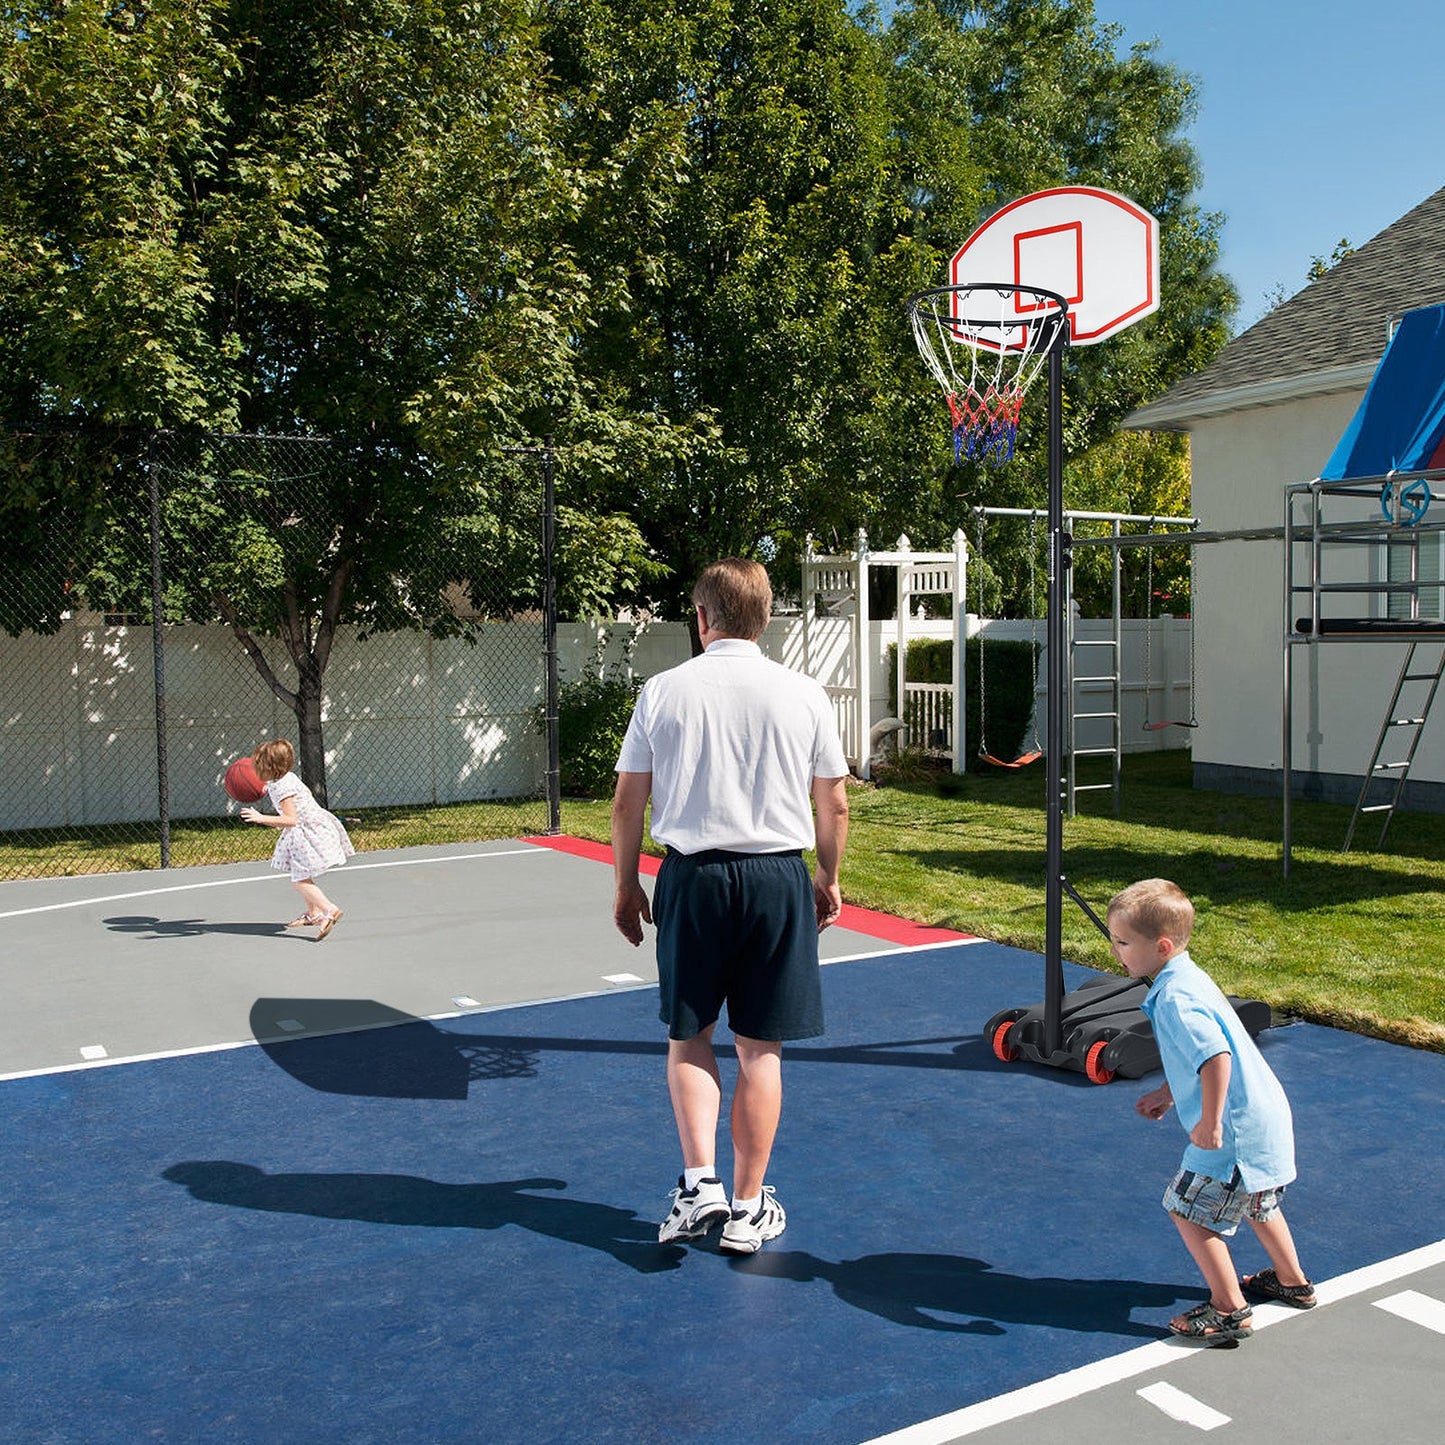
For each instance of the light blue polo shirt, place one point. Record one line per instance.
(1193, 1022)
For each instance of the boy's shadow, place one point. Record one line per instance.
(916, 1289)
(192, 927)
(407, 1199)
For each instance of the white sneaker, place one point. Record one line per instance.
(694, 1211)
(746, 1233)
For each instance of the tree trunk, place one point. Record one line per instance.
(312, 753)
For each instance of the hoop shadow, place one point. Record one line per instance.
(336, 1048)
(192, 927)
(924, 1290)
(354, 1047)
(406, 1199)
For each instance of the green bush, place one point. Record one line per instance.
(1009, 668)
(592, 716)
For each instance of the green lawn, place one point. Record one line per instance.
(1350, 939)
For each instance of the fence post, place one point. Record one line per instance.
(864, 642)
(960, 639)
(158, 658)
(549, 626)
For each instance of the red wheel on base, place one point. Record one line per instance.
(1001, 1049)
(1093, 1069)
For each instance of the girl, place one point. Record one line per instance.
(312, 840)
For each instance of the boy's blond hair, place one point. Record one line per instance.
(738, 597)
(1157, 908)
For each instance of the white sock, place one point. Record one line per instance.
(690, 1177)
(748, 1206)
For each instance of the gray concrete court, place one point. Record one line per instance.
(143, 963)
(1364, 1367)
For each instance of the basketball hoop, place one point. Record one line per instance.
(984, 345)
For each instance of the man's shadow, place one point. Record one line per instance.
(967, 1296)
(410, 1200)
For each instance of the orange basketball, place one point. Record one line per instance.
(243, 782)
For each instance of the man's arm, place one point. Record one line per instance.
(630, 908)
(830, 801)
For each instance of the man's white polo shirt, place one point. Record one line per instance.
(733, 741)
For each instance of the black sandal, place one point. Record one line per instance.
(1266, 1285)
(1211, 1325)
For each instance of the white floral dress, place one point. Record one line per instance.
(318, 840)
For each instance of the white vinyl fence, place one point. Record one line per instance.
(408, 718)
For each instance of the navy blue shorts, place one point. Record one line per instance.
(740, 929)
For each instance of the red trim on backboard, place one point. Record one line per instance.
(857, 920)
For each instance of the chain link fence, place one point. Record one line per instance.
(395, 620)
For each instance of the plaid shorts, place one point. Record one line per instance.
(1216, 1205)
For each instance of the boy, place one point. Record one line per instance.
(1241, 1137)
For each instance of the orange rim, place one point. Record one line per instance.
(1001, 1047)
(1095, 1071)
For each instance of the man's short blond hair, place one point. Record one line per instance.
(737, 596)
(1156, 908)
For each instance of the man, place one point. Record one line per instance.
(734, 750)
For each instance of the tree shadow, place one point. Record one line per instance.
(406, 1199)
(960, 1295)
(1227, 878)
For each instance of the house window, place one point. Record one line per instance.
(1415, 559)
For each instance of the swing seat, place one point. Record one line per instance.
(1173, 723)
(1022, 761)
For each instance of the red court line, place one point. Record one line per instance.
(883, 926)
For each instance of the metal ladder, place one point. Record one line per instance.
(1111, 661)
(1404, 731)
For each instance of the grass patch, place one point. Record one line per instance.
(118, 847)
(1350, 939)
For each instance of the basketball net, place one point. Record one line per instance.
(985, 358)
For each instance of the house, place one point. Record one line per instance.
(1267, 412)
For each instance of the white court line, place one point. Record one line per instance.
(895, 949)
(1419, 1309)
(1132, 1363)
(1179, 1406)
(273, 877)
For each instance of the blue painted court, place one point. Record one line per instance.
(445, 1230)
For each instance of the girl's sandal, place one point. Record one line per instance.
(327, 924)
(1211, 1326)
(1266, 1285)
(307, 920)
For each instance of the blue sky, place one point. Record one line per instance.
(1319, 120)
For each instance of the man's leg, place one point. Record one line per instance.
(757, 1107)
(696, 1091)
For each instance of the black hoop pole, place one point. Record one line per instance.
(1060, 544)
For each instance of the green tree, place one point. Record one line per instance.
(1049, 101)
(756, 198)
(331, 218)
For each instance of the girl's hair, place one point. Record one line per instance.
(737, 596)
(274, 759)
(1157, 908)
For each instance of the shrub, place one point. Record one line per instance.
(592, 717)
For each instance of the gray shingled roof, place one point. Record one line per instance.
(1329, 337)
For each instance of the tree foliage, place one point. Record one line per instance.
(678, 234)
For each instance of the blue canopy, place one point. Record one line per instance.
(1400, 426)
